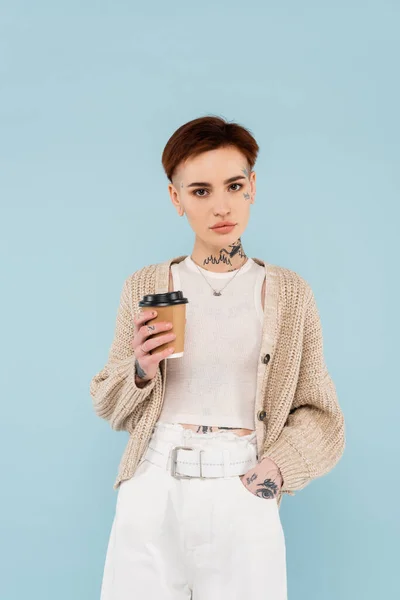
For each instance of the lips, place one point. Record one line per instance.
(227, 224)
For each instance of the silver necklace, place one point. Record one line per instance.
(218, 292)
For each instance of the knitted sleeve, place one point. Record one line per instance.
(313, 438)
(113, 390)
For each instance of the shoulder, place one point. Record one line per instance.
(141, 275)
(291, 281)
(146, 275)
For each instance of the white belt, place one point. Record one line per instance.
(186, 462)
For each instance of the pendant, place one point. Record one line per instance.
(217, 293)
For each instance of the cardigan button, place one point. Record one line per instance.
(261, 415)
(266, 358)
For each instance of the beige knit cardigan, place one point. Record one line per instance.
(298, 420)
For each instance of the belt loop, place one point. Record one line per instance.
(167, 457)
(226, 459)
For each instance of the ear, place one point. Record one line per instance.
(252, 187)
(175, 199)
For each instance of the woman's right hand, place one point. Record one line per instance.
(142, 343)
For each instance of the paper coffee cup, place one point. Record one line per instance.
(170, 307)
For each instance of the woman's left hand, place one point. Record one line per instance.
(264, 480)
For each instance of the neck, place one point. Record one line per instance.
(220, 259)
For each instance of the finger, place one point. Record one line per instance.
(159, 356)
(151, 329)
(143, 316)
(147, 360)
(140, 333)
(141, 336)
(153, 342)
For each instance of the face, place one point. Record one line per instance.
(201, 190)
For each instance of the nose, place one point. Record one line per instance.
(222, 207)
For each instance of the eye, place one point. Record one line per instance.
(204, 190)
(198, 190)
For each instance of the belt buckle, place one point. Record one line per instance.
(174, 453)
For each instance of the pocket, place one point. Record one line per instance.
(141, 507)
(140, 470)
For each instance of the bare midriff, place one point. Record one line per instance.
(212, 428)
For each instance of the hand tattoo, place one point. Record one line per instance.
(139, 371)
(252, 478)
(267, 489)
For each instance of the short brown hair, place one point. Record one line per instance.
(203, 134)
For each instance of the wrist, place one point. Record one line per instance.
(141, 383)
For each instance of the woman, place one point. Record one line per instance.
(249, 412)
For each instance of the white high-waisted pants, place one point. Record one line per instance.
(199, 539)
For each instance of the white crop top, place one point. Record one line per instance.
(214, 382)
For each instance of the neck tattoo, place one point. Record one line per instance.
(224, 257)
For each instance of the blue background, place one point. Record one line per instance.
(90, 94)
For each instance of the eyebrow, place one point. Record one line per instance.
(205, 184)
